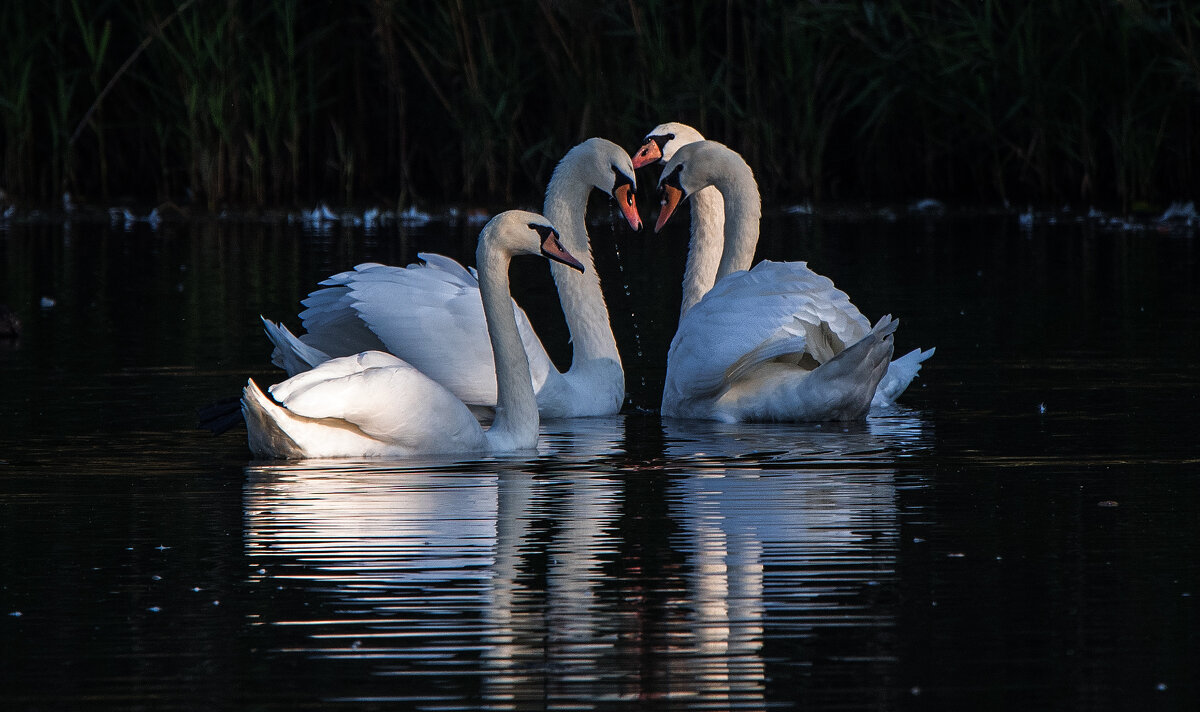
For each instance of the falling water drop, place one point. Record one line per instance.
(637, 334)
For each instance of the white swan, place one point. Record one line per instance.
(375, 405)
(776, 342)
(430, 315)
(707, 237)
(708, 212)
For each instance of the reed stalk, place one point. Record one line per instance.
(228, 103)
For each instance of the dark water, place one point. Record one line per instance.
(1021, 534)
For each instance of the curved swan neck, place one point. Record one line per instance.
(580, 294)
(516, 405)
(705, 246)
(743, 213)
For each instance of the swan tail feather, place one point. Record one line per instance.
(263, 432)
(900, 374)
(291, 354)
(842, 388)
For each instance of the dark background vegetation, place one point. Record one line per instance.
(222, 103)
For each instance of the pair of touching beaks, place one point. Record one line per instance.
(671, 193)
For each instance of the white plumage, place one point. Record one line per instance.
(430, 314)
(373, 404)
(706, 251)
(776, 342)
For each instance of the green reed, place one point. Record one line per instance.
(222, 103)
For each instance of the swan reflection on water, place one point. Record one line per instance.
(640, 558)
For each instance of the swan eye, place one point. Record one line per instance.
(620, 179)
(543, 231)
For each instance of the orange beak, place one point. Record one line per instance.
(628, 203)
(647, 154)
(554, 250)
(670, 200)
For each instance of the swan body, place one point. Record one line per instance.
(778, 342)
(374, 404)
(707, 227)
(430, 314)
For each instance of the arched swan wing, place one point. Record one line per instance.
(430, 315)
(774, 309)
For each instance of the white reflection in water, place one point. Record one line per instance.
(519, 572)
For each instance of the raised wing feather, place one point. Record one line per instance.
(430, 315)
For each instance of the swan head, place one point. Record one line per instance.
(524, 233)
(662, 142)
(606, 167)
(696, 166)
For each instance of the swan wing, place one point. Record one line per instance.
(429, 314)
(330, 322)
(291, 353)
(774, 309)
(839, 389)
(432, 317)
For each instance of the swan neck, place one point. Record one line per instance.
(705, 246)
(743, 213)
(580, 294)
(516, 405)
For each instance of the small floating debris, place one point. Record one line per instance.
(48, 302)
(1107, 503)
(412, 216)
(928, 206)
(121, 216)
(370, 218)
(1025, 219)
(1181, 213)
(802, 209)
(320, 215)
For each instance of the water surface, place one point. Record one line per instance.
(1021, 531)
